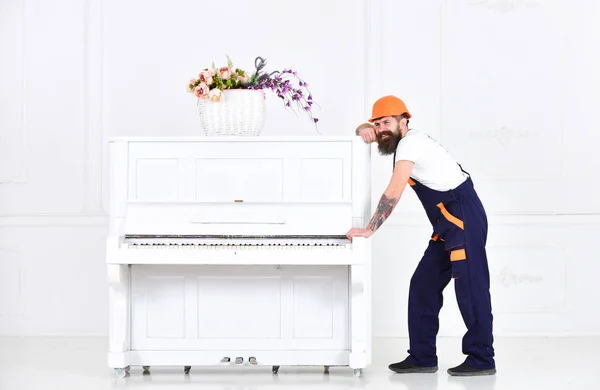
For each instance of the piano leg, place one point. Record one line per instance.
(360, 308)
(118, 301)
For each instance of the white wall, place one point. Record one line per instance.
(510, 87)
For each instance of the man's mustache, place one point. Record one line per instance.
(385, 133)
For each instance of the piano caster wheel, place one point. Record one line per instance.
(275, 369)
(325, 369)
(127, 368)
(252, 361)
(187, 369)
(146, 369)
(357, 372)
(120, 372)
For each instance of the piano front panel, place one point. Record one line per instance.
(157, 179)
(165, 300)
(258, 171)
(231, 179)
(322, 179)
(240, 308)
(225, 313)
(312, 320)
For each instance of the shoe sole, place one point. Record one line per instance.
(416, 370)
(473, 373)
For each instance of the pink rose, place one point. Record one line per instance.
(225, 72)
(201, 90)
(206, 77)
(215, 95)
(190, 86)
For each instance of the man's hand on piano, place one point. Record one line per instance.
(358, 232)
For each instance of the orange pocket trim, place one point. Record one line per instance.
(451, 217)
(458, 255)
(411, 182)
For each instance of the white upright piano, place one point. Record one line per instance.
(232, 251)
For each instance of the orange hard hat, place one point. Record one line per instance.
(388, 106)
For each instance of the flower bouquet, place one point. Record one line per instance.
(232, 102)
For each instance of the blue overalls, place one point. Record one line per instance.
(456, 250)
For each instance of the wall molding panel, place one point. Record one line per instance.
(94, 130)
(13, 94)
(54, 220)
(11, 283)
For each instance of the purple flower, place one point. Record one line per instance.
(282, 84)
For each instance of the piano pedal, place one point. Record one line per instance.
(253, 361)
(239, 360)
(226, 360)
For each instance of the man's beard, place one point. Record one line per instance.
(387, 145)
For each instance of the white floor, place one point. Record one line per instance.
(522, 363)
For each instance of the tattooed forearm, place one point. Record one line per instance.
(384, 209)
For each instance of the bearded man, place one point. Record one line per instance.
(456, 248)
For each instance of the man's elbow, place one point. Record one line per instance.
(394, 192)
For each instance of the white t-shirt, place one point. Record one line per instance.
(434, 166)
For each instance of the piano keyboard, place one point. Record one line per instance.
(238, 249)
(234, 242)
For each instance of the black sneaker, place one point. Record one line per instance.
(466, 370)
(406, 367)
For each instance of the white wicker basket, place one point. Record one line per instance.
(240, 112)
